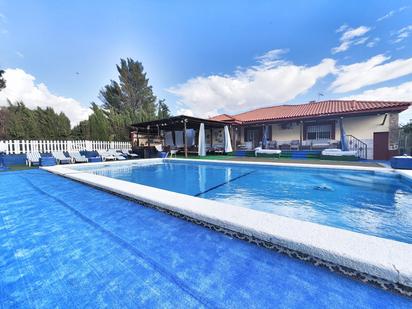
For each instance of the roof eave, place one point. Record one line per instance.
(397, 109)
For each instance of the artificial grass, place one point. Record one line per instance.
(283, 160)
(12, 168)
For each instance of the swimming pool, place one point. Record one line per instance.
(370, 202)
(65, 244)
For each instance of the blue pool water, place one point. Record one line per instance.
(373, 203)
(64, 244)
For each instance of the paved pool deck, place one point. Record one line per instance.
(68, 245)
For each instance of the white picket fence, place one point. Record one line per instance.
(24, 146)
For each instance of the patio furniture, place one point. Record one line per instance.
(306, 145)
(323, 144)
(402, 162)
(338, 154)
(106, 156)
(95, 159)
(61, 157)
(117, 155)
(47, 161)
(267, 152)
(294, 145)
(271, 145)
(77, 157)
(173, 152)
(33, 158)
(245, 146)
(129, 153)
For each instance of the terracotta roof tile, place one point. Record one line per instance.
(313, 109)
(223, 117)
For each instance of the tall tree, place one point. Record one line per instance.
(163, 110)
(99, 125)
(2, 80)
(22, 122)
(19, 122)
(4, 119)
(132, 92)
(129, 100)
(81, 131)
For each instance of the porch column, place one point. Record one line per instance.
(301, 134)
(185, 137)
(234, 132)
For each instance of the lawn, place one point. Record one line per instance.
(284, 160)
(18, 168)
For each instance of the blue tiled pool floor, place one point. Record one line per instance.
(64, 244)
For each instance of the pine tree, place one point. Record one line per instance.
(162, 110)
(99, 125)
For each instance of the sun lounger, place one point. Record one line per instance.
(259, 150)
(129, 154)
(246, 146)
(33, 158)
(106, 156)
(77, 157)
(339, 153)
(117, 155)
(61, 158)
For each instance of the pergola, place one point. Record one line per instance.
(177, 123)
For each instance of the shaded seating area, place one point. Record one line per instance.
(182, 134)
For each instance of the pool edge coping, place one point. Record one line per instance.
(379, 257)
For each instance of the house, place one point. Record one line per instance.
(370, 127)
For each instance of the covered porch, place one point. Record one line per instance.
(304, 137)
(184, 134)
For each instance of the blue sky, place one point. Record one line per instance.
(207, 57)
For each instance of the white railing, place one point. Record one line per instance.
(24, 146)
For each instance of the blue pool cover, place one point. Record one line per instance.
(64, 244)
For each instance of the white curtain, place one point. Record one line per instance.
(169, 138)
(190, 135)
(228, 143)
(202, 141)
(179, 139)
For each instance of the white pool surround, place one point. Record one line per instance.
(383, 258)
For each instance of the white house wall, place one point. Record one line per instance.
(361, 127)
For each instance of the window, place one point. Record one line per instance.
(315, 132)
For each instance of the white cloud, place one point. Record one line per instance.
(373, 42)
(361, 41)
(402, 34)
(21, 86)
(402, 92)
(390, 14)
(185, 111)
(349, 37)
(372, 71)
(342, 28)
(19, 54)
(269, 81)
(271, 57)
(353, 33)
